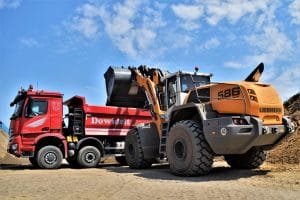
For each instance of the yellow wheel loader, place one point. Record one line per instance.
(195, 119)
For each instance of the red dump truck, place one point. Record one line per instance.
(86, 134)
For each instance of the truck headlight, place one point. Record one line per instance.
(14, 147)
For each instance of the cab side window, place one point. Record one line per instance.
(37, 107)
(171, 91)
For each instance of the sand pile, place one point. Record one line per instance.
(6, 158)
(288, 152)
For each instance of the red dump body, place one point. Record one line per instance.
(108, 120)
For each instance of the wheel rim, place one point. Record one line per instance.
(90, 157)
(131, 149)
(180, 150)
(50, 158)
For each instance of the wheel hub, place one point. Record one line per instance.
(90, 157)
(180, 150)
(50, 158)
(131, 149)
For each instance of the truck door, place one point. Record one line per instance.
(35, 115)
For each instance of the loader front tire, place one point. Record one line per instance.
(187, 150)
(134, 153)
(249, 160)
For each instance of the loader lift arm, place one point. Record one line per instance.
(151, 81)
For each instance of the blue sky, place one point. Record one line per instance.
(66, 46)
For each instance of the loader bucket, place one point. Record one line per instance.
(122, 90)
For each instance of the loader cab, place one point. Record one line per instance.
(177, 86)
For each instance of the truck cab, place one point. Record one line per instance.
(36, 121)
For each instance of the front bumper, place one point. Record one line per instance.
(14, 144)
(226, 138)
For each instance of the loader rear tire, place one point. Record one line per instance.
(187, 150)
(250, 160)
(134, 152)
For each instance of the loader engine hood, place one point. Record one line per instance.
(248, 98)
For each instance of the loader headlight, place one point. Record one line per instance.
(253, 98)
(250, 91)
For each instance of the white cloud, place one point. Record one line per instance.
(131, 27)
(269, 46)
(294, 9)
(287, 82)
(211, 43)
(10, 3)
(29, 42)
(87, 26)
(232, 10)
(189, 14)
(233, 64)
(181, 41)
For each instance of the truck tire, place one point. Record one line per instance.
(121, 160)
(187, 150)
(49, 157)
(33, 161)
(250, 160)
(134, 153)
(88, 157)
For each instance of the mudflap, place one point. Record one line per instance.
(149, 137)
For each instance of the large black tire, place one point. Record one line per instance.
(134, 153)
(49, 157)
(33, 161)
(121, 160)
(88, 157)
(250, 160)
(187, 150)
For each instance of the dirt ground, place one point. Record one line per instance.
(278, 178)
(111, 181)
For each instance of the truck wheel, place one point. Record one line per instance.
(121, 160)
(187, 150)
(33, 161)
(49, 157)
(88, 157)
(250, 160)
(134, 152)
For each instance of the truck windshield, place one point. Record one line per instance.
(18, 109)
(189, 82)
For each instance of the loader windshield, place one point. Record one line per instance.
(189, 81)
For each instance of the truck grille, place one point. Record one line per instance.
(270, 110)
